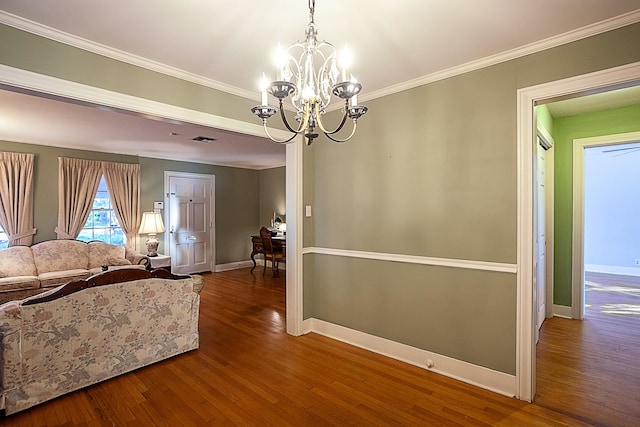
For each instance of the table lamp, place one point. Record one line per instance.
(151, 225)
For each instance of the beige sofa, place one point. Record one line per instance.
(92, 330)
(26, 270)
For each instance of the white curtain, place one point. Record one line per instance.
(123, 183)
(78, 182)
(16, 197)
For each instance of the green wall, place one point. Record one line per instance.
(26, 51)
(237, 195)
(544, 118)
(432, 172)
(566, 129)
(238, 191)
(272, 194)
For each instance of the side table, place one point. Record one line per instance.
(161, 261)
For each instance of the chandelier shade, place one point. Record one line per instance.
(309, 74)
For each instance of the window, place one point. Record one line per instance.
(102, 223)
(4, 239)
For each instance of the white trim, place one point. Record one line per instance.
(486, 378)
(414, 259)
(75, 41)
(577, 247)
(613, 269)
(526, 98)
(41, 83)
(548, 144)
(554, 41)
(577, 234)
(294, 284)
(546, 137)
(58, 87)
(119, 55)
(233, 266)
(563, 311)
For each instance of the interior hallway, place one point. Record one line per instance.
(589, 369)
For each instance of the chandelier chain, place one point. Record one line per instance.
(312, 9)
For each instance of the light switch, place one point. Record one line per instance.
(307, 211)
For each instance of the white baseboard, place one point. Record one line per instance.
(245, 264)
(486, 378)
(562, 311)
(612, 269)
(233, 266)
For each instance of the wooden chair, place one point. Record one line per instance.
(270, 254)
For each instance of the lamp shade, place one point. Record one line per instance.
(151, 223)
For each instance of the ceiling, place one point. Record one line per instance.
(227, 45)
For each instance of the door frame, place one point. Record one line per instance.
(577, 243)
(43, 85)
(212, 212)
(549, 142)
(526, 131)
(549, 214)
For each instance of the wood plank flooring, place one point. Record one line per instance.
(590, 369)
(249, 372)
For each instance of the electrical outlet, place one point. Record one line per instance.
(638, 262)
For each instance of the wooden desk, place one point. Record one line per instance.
(256, 241)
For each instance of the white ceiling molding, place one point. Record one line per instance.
(568, 37)
(54, 86)
(119, 55)
(71, 40)
(58, 87)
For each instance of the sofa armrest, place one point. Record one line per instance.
(198, 283)
(136, 258)
(10, 361)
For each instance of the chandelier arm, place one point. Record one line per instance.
(278, 141)
(303, 123)
(353, 132)
(321, 126)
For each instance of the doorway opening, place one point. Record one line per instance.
(606, 180)
(588, 360)
(600, 81)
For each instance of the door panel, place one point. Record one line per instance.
(540, 237)
(190, 224)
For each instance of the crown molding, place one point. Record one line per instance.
(119, 55)
(548, 43)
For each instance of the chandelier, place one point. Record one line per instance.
(310, 73)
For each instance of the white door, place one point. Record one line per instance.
(190, 224)
(540, 271)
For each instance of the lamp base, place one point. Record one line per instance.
(152, 246)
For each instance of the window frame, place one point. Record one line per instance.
(98, 208)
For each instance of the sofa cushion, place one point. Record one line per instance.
(101, 253)
(17, 261)
(60, 255)
(118, 261)
(15, 283)
(57, 278)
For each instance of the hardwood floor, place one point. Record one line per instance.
(248, 371)
(589, 369)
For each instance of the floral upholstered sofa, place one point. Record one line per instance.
(91, 330)
(26, 270)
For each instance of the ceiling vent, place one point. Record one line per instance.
(205, 139)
